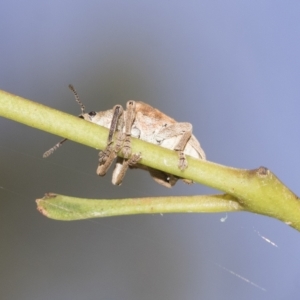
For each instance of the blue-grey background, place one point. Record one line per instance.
(231, 68)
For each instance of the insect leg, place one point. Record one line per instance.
(184, 130)
(129, 118)
(122, 166)
(107, 156)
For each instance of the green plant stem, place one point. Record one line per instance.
(66, 208)
(258, 191)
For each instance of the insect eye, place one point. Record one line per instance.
(92, 113)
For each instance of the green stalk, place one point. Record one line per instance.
(66, 208)
(258, 191)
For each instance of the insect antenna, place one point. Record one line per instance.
(51, 150)
(82, 107)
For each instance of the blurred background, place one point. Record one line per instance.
(231, 68)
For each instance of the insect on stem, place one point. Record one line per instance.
(147, 123)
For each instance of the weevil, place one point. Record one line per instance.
(147, 123)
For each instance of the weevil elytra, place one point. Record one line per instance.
(147, 123)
